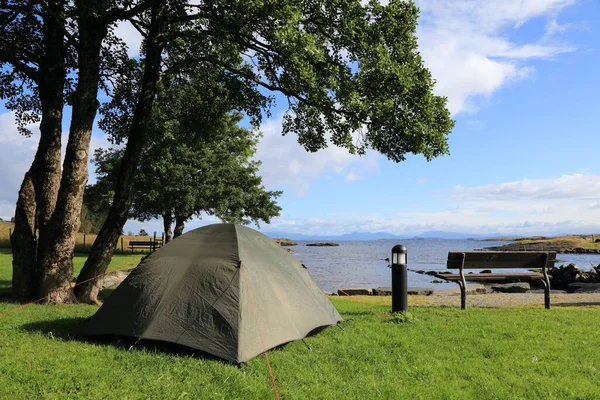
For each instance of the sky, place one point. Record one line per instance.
(522, 82)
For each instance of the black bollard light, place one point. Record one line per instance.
(399, 281)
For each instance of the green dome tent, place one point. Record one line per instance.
(224, 289)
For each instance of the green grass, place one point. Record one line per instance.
(438, 353)
(119, 261)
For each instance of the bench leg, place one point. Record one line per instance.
(546, 294)
(463, 295)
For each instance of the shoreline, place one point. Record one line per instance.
(451, 298)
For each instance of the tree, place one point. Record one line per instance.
(142, 232)
(181, 176)
(346, 69)
(40, 43)
(351, 74)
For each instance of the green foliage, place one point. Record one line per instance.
(142, 232)
(351, 73)
(198, 159)
(402, 317)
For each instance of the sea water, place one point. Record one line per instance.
(363, 264)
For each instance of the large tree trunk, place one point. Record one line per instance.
(179, 225)
(167, 222)
(104, 245)
(23, 243)
(56, 258)
(39, 190)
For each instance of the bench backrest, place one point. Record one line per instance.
(500, 259)
(147, 243)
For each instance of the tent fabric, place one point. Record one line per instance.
(223, 289)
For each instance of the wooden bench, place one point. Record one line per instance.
(500, 259)
(145, 244)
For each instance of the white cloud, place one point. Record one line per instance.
(132, 38)
(17, 156)
(465, 45)
(570, 187)
(285, 162)
(568, 203)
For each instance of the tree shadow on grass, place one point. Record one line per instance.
(66, 329)
(5, 291)
(579, 304)
(63, 328)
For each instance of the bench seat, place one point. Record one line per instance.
(462, 260)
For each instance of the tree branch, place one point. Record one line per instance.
(117, 14)
(8, 57)
(138, 25)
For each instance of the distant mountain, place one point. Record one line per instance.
(387, 235)
(459, 235)
(347, 236)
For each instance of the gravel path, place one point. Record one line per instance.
(451, 298)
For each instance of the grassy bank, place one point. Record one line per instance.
(560, 244)
(441, 353)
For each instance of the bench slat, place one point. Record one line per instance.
(493, 277)
(500, 259)
(150, 243)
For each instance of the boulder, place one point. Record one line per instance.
(113, 280)
(582, 287)
(486, 271)
(355, 292)
(419, 291)
(519, 287)
(476, 288)
(285, 242)
(382, 291)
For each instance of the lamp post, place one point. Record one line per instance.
(399, 281)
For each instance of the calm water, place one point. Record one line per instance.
(362, 263)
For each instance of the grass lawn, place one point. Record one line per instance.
(442, 353)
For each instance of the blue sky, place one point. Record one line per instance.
(522, 81)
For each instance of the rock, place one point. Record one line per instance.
(355, 292)
(486, 271)
(285, 242)
(113, 280)
(419, 291)
(432, 273)
(382, 291)
(582, 287)
(437, 281)
(520, 287)
(476, 288)
(571, 267)
(326, 244)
